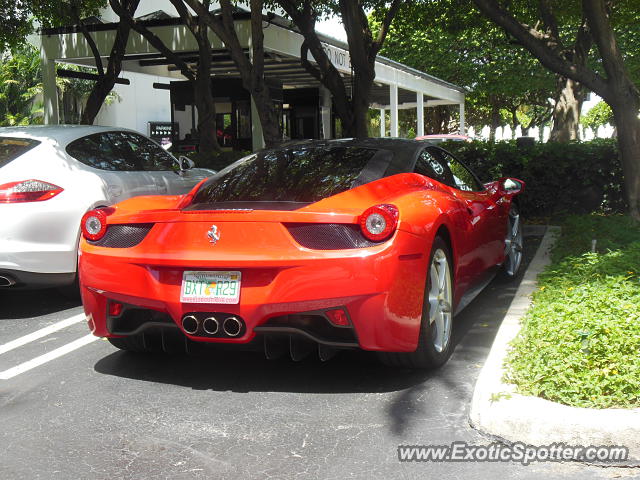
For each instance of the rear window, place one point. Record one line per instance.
(303, 174)
(11, 148)
(121, 152)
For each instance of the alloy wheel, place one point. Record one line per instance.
(440, 300)
(513, 244)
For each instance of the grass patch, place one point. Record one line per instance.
(580, 341)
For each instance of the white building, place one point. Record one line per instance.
(157, 91)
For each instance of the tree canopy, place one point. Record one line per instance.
(18, 18)
(448, 39)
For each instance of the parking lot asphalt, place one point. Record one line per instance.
(73, 408)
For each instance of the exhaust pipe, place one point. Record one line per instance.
(190, 324)
(210, 325)
(6, 281)
(232, 326)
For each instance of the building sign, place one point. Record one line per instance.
(338, 57)
(163, 132)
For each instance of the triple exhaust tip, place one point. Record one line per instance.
(210, 325)
(190, 324)
(232, 326)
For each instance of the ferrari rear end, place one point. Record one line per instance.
(292, 249)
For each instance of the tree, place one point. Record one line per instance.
(363, 49)
(200, 76)
(614, 84)
(106, 77)
(17, 18)
(17, 21)
(19, 86)
(448, 39)
(251, 69)
(599, 115)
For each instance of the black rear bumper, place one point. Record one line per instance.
(17, 279)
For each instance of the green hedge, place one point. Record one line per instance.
(579, 341)
(578, 177)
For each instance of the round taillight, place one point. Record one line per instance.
(379, 222)
(94, 224)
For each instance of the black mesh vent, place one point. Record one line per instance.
(329, 236)
(123, 236)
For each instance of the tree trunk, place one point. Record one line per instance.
(514, 123)
(207, 128)
(363, 48)
(628, 128)
(360, 103)
(203, 98)
(566, 113)
(99, 92)
(268, 114)
(495, 122)
(106, 82)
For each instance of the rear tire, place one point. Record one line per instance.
(513, 244)
(436, 327)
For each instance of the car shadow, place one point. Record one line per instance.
(19, 304)
(242, 371)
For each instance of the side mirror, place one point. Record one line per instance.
(186, 163)
(511, 186)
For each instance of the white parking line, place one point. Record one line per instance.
(43, 332)
(47, 357)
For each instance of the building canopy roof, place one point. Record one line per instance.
(282, 49)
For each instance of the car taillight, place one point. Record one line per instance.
(28, 191)
(379, 222)
(94, 224)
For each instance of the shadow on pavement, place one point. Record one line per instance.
(17, 304)
(241, 371)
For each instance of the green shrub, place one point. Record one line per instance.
(577, 177)
(580, 341)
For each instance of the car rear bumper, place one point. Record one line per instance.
(380, 287)
(16, 279)
(39, 238)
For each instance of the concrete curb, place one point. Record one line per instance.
(500, 412)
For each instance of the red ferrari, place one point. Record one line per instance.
(317, 246)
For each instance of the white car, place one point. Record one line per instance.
(51, 175)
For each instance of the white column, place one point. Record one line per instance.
(49, 89)
(257, 138)
(393, 94)
(325, 112)
(420, 113)
(462, 125)
(383, 122)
